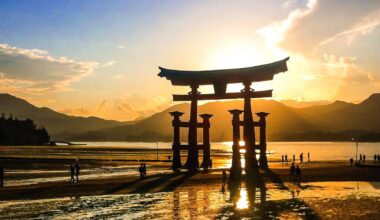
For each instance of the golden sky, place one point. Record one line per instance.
(101, 58)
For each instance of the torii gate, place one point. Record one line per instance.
(219, 79)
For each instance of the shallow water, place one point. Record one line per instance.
(236, 200)
(139, 150)
(117, 150)
(317, 150)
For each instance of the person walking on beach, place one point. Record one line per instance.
(1, 176)
(282, 158)
(294, 158)
(298, 174)
(351, 161)
(224, 176)
(141, 171)
(301, 157)
(360, 158)
(286, 158)
(72, 173)
(144, 170)
(77, 169)
(374, 158)
(292, 172)
(308, 157)
(363, 158)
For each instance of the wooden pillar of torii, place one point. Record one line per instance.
(236, 168)
(219, 79)
(192, 155)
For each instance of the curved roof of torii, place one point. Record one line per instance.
(258, 73)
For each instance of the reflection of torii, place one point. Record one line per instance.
(219, 79)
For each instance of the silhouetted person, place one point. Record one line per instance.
(301, 157)
(77, 170)
(282, 158)
(298, 173)
(224, 176)
(292, 172)
(144, 170)
(72, 172)
(294, 158)
(363, 158)
(351, 161)
(360, 158)
(141, 171)
(374, 158)
(286, 158)
(308, 157)
(1, 176)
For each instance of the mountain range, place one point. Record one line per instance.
(334, 121)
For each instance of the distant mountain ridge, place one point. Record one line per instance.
(56, 123)
(319, 122)
(336, 121)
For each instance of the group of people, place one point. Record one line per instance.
(362, 159)
(74, 171)
(295, 173)
(142, 171)
(284, 158)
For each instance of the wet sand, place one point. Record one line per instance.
(37, 186)
(169, 181)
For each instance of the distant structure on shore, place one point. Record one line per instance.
(21, 132)
(219, 79)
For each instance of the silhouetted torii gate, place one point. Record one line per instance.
(219, 79)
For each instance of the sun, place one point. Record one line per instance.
(235, 55)
(238, 55)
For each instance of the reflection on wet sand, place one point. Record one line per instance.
(249, 200)
(232, 200)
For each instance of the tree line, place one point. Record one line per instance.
(21, 132)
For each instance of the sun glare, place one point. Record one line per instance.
(235, 56)
(238, 55)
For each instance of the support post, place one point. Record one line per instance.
(235, 171)
(192, 163)
(263, 139)
(251, 166)
(207, 163)
(176, 140)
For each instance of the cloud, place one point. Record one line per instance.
(124, 109)
(320, 67)
(109, 63)
(364, 27)
(36, 71)
(277, 31)
(121, 47)
(119, 76)
(314, 23)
